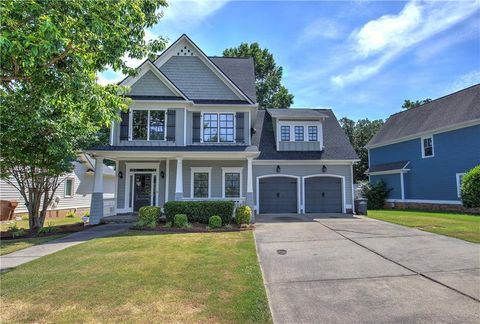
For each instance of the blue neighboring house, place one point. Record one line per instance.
(423, 153)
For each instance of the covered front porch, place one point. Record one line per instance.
(156, 178)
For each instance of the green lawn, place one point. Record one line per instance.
(465, 227)
(9, 246)
(48, 221)
(138, 277)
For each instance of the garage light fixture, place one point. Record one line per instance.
(324, 169)
(278, 169)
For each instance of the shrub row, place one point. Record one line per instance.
(200, 211)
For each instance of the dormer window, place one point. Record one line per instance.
(299, 132)
(427, 147)
(285, 133)
(312, 133)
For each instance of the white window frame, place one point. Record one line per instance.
(305, 125)
(295, 133)
(65, 187)
(232, 170)
(423, 147)
(308, 133)
(194, 170)
(289, 133)
(457, 177)
(218, 113)
(130, 122)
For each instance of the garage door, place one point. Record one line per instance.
(323, 195)
(278, 195)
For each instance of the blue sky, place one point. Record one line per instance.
(360, 58)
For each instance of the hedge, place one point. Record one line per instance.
(200, 211)
(470, 189)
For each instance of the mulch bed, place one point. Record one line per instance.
(61, 229)
(195, 228)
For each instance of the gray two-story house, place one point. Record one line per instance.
(194, 132)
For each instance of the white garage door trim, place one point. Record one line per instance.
(326, 175)
(257, 189)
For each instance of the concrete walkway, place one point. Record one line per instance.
(349, 269)
(19, 257)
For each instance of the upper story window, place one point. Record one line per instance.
(148, 125)
(427, 147)
(218, 127)
(313, 133)
(299, 132)
(285, 133)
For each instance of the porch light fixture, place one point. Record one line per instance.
(324, 169)
(278, 169)
(120, 175)
(162, 174)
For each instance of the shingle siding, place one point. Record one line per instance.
(434, 178)
(195, 79)
(150, 85)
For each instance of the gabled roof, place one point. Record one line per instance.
(224, 76)
(240, 70)
(459, 109)
(337, 146)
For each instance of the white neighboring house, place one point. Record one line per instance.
(74, 194)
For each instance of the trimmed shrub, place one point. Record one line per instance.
(148, 216)
(180, 220)
(470, 189)
(215, 221)
(376, 194)
(243, 215)
(200, 211)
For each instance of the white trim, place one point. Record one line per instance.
(344, 193)
(72, 188)
(257, 202)
(427, 201)
(304, 162)
(232, 170)
(168, 53)
(111, 133)
(116, 186)
(299, 123)
(167, 178)
(165, 117)
(430, 132)
(194, 170)
(184, 127)
(139, 165)
(457, 177)
(198, 155)
(353, 190)
(423, 147)
(402, 186)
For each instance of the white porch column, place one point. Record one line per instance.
(402, 186)
(96, 204)
(249, 198)
(167, 179)
(179, 180)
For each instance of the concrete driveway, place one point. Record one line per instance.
(355, 269)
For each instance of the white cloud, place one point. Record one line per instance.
(464, 81)
(389, 36)
(321, 28)
(186, 14)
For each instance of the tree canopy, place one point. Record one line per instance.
(51, 104)
(268, 76)
(359, 133)
(408, 104)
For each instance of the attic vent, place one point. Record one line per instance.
(184, 51)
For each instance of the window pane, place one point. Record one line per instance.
(298, 133)
(232, 185)
(285, 133)
(427, 146)
(140, 123)
(200, 185)
(157, 125)
(312, 133)
(69, 187)
(226, 127)
(210, 127)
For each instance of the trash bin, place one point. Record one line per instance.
(361, 206)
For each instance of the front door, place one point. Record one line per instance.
(142, 190)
